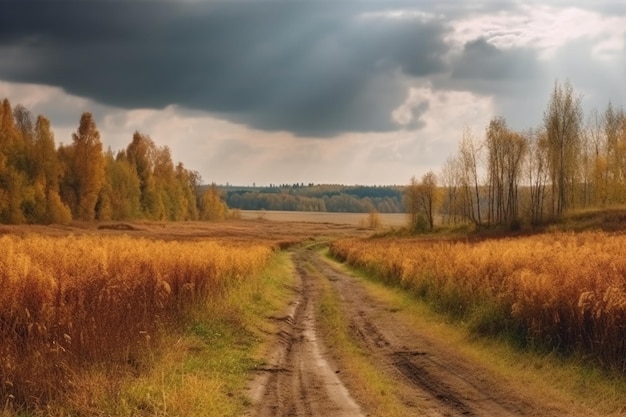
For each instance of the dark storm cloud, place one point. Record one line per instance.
(310, 67)
(482, 60)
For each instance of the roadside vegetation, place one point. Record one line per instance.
(543, 375)
(557, 292)
(79, 315)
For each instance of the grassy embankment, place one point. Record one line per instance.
(553, 306)
(97, 325)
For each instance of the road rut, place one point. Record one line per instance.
(432, 378)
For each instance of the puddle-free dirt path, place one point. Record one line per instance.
(432, 378)
(299, 381)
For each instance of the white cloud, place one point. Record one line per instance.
(413, 14)
(545, 28)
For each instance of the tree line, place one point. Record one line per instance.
(509, 177)
(43, 183)
(321, 198)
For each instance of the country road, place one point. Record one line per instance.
(431, 377)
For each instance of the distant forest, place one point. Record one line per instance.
(310, 197)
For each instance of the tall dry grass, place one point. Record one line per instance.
(559, 291)
(74, 302)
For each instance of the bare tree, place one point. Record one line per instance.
(450, 183)
(537, 172)
(421, 202)
(412, 204)
(469, 153)
(562, 120)
(428, 197)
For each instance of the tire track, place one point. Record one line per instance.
(433, 379)
(299, 380)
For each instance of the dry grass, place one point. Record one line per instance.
(563, 292)
(351, 219)
(80, 302)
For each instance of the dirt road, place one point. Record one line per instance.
(432, 379)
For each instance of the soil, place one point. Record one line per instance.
(431, 377)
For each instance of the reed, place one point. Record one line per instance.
(557, 291)
(69, 303)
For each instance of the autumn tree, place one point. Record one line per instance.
(428, 197)
(84, 169)
(212, 206)
(562, 120)
(119, 198)
(14, 184)
(140, 154)
(421, 202)
(615, 153)
(412, 205)
(47, 173)
(188, 183)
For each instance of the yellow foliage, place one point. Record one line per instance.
(212, 207)
(77, 301)
(560, 291)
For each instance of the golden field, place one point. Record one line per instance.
(353, 219)
(73, 302)
(560, 291)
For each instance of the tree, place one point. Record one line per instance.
(85, 175)
(505, 153)
(428, 197)
(48, 171)
(420, 201)
(615, 153)
(469, 155)
(212, 207)
(412, 205)
(120, 196)
(141, 153)
(188, 182)
(562, 120)
(537, 173)
(450, 181)
(14, 190)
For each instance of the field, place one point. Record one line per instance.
(88, 297)
(353, 219)
(557, 291)
(73, 301)
(151, 318)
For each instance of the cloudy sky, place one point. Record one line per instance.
(283, 91)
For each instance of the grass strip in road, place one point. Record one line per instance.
(543, 376)
(371, 388)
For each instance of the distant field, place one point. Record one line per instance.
(386, 219)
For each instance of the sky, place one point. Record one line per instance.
(367, 92)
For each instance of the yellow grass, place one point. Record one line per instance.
(68, 303)
(558, 291)
(353, 219)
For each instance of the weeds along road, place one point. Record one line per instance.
(429, 377)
